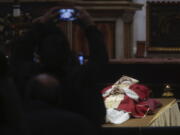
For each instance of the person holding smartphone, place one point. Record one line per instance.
(79, 83)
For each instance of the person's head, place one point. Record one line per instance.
(45, 88)
(54, 49)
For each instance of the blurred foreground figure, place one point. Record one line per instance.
(79, 91)
(46, 116)
(11, 112)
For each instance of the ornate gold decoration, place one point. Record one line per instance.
(128, 17)
(163, 49)
(168, 91)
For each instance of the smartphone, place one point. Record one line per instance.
(81, 59)
(67, 14)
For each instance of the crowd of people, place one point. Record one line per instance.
(52, 93)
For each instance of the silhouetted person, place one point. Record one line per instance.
(12, 120)
(43, 115)
(79, 83)
(43, 88)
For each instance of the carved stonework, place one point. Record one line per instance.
(106, 14)
(128, 17)
(162, 0)
(60, 0)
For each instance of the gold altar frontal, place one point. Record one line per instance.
(167, 115)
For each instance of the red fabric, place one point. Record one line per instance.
(152, 103)
(142, 91)
(139, 108)
(127, 105)
(141, 111)
(136, 109)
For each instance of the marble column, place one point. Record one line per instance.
(127, 18)
(119, 39)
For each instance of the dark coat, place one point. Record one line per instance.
(47, 120)
(80, 93)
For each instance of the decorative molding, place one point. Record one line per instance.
(163, 0)
(95, 5)
(163, 49)
(128, 17)
(105, 11)
(146, 61)
(110, 5)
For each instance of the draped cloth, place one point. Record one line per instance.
(127, 98)
(167, 115)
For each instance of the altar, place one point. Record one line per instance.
(167, 115)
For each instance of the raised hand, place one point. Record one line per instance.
(49, 15)
(84, 17)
